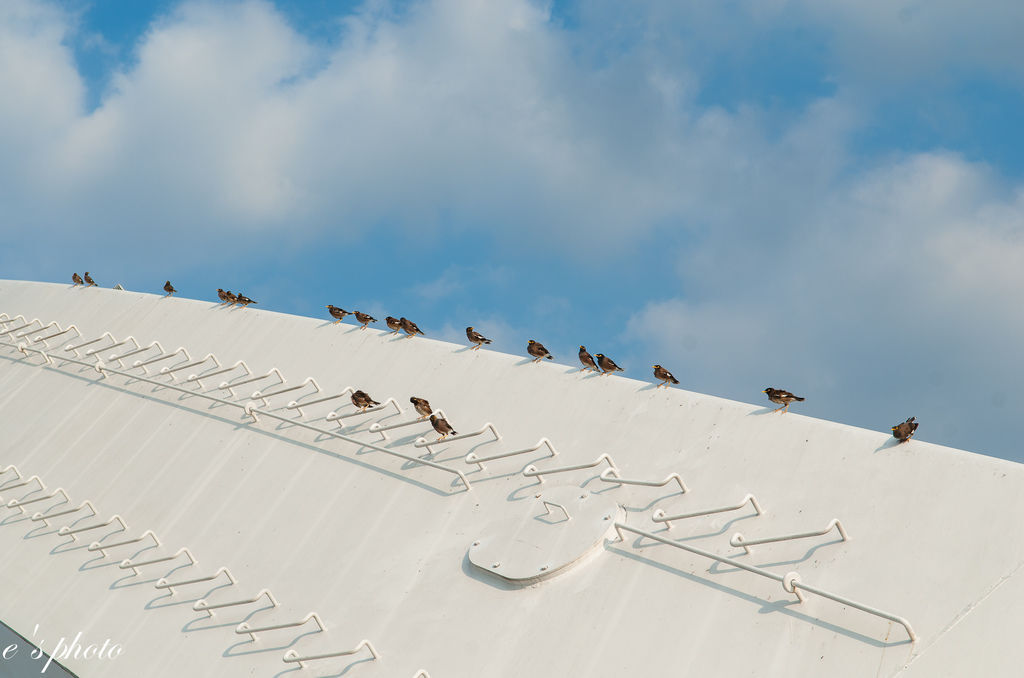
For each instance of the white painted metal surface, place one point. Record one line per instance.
(373, 535)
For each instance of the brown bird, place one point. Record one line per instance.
(587, 360)
(244, 300)
(665, 376)
(442, 426)
(76, 279)
(410, 327)
(222, 295)
(169, 288)
(422, 407)
(365, 319)
(230, 297)
(362, 400)
(607, 364)
(476, 338)
(780, 397)
(905, 431)
(394, 324)
(537, 350)
(336, 312)
(88, 280)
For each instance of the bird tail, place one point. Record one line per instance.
(798, 399)
(487, 341)
(549, 356)
(674, 380)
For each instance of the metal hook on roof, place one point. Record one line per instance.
(230, 388)
(129, 564)
(165, 356)
(52, 323)
(94, 351)
(244, 627)
(57, 334)
(74, 348)
(198, 378)
(67, 530)
(295, 405)
(141, 349)
(21, 327)
(611, 475)
(659, 515)
(46, 517)
(262, 396)
(291, 656)
(102, 548)
(532, 471)
(204, 605)
(739, 540)
(170, 585)
(195, 363)
(20, 504)
(471, 458)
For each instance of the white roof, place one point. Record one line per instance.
(383, 549)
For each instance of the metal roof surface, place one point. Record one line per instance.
(380, 547)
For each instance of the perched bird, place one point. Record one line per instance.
(394, 324)
(607, 364)
(362, 400)
(222, 295)
(88, 280)
(587, 360)
(442, 426)
(75, 278)
(411, 328)
(169, 288)
(905, 431)
(230, 297)
(476, 338)
(244, 300)
(665, 376)
(365, 319)
(422, 407)
(537, 350)
(338, 313)
(780, 397)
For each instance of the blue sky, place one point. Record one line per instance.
(824, 197)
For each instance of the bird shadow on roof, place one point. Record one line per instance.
(353, 663)
(784, 607)
(763, 410)
(647, 387)
(891, 442)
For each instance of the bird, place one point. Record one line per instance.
(362, 400)
(394, 324)
(76, 279)
(905, 431)
(88, 280)
(411, 328)
(784, 398)
(421, 406)
(476, 338)
(169, 288)
(365, 319)
(222, 295)
(537, 350)
(607, 364)
(587, 360)
(442, 426)
(230, 297)
(665, 376)
(336, 312)
(244, 300)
